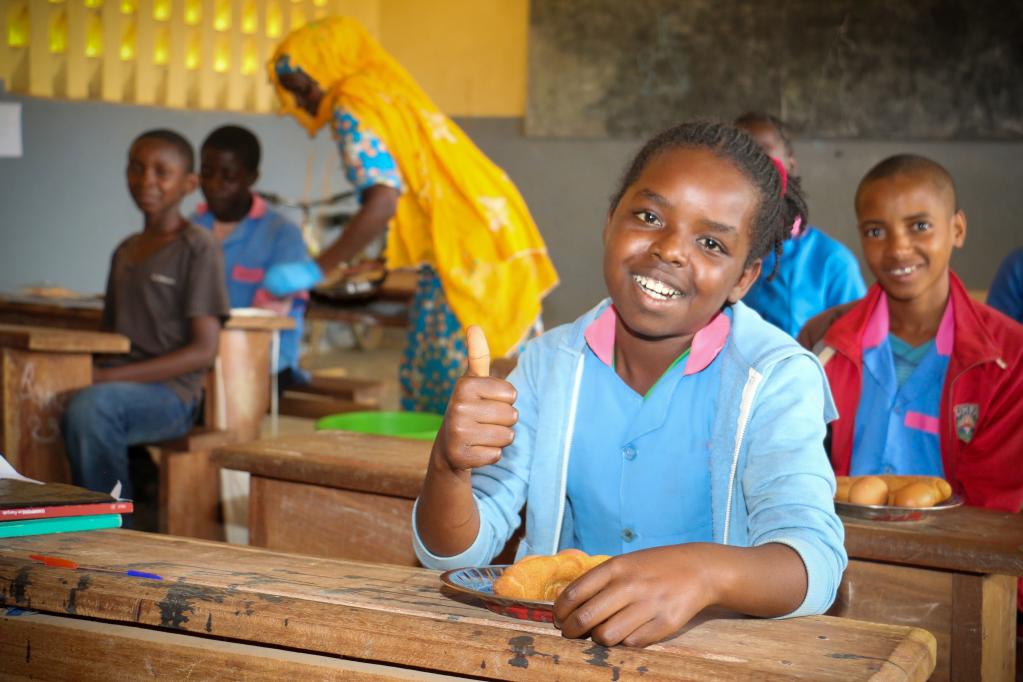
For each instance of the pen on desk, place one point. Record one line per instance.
(67, 563)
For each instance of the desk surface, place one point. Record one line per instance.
(336, 459)
(400, 616)
(967, 539)
(49, 339)
(86, 313)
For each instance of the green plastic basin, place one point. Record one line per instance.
(417, 425)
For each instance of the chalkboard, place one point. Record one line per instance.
(880, 69)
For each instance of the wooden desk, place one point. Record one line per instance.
(336, 494)
(391, 617)
(239, 400)
(953, 573)
(40, 368)
(332, 493)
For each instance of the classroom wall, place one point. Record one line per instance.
(65, 206)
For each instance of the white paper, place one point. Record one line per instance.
(10, 129)
(7, 471)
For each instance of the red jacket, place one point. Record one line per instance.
(981, 417)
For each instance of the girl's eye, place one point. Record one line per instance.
(648, 217)
(921, 226)
(711, 244)
(874, 232)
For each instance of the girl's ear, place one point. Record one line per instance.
(607, 228)
(959, 229)
(749, 275)
(192, 183)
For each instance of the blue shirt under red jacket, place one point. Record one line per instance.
(981, 399)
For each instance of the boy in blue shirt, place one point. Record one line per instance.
(814, 272)
(253, 237)
(1006, 293)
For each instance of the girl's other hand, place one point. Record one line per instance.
(481, 413)
(639, 598)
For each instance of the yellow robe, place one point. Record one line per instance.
(458, 212)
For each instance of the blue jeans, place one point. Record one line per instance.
(102, 421)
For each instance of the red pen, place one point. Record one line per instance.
(73, 565)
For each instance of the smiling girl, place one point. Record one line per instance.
(670, 425)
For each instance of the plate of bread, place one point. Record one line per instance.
(891, 497)
(526, 589)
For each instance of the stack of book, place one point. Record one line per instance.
(30, 508)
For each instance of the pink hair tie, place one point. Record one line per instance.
(783, 173)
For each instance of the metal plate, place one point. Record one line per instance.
(884, 512)
(479, 582)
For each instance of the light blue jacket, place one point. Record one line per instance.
(770, 478)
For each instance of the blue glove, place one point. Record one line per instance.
(285, 279)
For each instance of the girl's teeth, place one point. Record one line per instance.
(655, 288)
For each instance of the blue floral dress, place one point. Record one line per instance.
(435, 352)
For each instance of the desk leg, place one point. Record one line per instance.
(983, 627)
(243, 398)
(972, 617)
(35, 389)
(245, 361)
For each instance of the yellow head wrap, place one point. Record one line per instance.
(458, 211)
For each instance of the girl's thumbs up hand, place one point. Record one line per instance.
(481, 413)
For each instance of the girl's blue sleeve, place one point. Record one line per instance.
(1006, 293)
(788, 483)
(499, 489)
(846, 282)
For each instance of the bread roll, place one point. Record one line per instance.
(868, 490)
(543, 578)
(893, 489)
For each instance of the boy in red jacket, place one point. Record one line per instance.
(926, 380)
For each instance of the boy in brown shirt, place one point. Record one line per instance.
(165, 291)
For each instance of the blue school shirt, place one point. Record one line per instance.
(1006, 293)
(263, 239)
(815, 273)
(639, 469)
(896, 429)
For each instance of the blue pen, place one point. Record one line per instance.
(67, 563)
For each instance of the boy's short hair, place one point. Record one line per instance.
(911, 164)
(241, 141)
(174, 139)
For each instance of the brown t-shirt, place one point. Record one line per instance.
(153, 302)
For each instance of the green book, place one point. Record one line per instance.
(64, 524)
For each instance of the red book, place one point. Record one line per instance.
(116, 507)
(21, 500)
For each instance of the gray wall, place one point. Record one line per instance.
(65, 205)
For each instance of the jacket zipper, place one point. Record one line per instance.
(566, 450)
(745, 415)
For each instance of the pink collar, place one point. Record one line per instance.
(258, 209)
(878, 327)
(708, 342)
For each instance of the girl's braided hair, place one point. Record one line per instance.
(775, 215)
